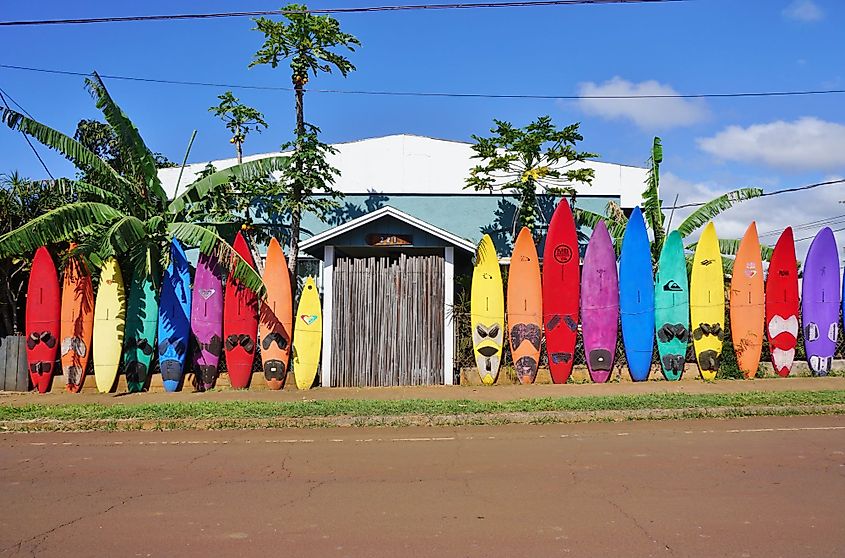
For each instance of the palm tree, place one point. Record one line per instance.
(127, 215)
(655, 220)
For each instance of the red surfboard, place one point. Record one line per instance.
(782, 304)
(43, 313)
(240, 323)
(561, 295)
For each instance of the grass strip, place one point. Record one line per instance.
(208, 410)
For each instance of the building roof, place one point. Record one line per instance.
(315, 244)
(408, 164)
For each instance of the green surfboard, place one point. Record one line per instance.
(671, 307)
(141, 322)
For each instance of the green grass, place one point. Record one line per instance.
(240, 410)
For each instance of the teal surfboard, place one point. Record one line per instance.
(671, 307)
(141, 322)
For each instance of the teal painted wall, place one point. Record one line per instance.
(468, 216)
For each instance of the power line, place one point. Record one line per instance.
(429, 93)
(836, 219)
(350, 10)
(814, 236)
(767, 194)
(3, 96)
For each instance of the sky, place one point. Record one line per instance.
(700, 46)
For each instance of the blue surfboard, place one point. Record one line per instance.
(174, 318)
(636, 297)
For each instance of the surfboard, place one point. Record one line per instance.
(782, 304)
(275, 323)
(174, 318)
(43, 314)
(207, 320)
(525, 307)
(820, 301)
(636, 297)
(487, 311)
(307, 336)
(240, 323)
(109, 325)
(747, 303)
(707, 303)
(77, 326)
(141, 323)
(671, 307)
(600, 304)
(561, 296)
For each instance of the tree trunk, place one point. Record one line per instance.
(296, 212)
(239, 148)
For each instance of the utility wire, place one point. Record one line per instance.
(349, 10)
(797, 240)
(808, 225)
(767, 194)
(429, 93)
(3, 96)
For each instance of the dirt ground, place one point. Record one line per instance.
(770, 486)
(485, 393)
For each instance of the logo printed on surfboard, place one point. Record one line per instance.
(308, 318)
(672, 286)
(206, 293)
(563, 253)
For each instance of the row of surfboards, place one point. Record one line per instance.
(171, 320)
(668, 306)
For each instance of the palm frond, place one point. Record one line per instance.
(652, 205)
(213, 245)
(123, 236)
(586, 218)
(250, 170)
(77, 153)
(140, 157)
(59, 225)
(714, 207)
(69, 187)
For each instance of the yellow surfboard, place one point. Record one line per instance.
(707, 303)
(487, 306)
(109, 323)
(307, 336)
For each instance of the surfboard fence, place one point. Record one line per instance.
(465, 366)
(387, 321)
(14, 375)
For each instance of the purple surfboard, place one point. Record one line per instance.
(820, 299)
(207, 319)
(600, 304)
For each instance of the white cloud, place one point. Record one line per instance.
(806, 212)
(804, 144)
(646, 113)
(803, 10)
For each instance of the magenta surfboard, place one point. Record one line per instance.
(207, 319)
(600, 304)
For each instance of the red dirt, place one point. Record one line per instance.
(748, 487)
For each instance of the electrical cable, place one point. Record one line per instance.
(324, 11)
(433, 93)
(3, 96)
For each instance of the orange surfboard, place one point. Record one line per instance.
(747, 303)
(525, 307)
(275, 323)
(77, 325)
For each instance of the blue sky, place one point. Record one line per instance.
(697, 46)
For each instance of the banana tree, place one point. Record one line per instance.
(655, 219)
(127, 215)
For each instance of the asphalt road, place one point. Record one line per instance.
(769, 487)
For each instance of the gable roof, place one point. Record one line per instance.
(409, 164)
(325, 237)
